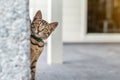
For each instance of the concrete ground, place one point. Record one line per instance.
(83, 62)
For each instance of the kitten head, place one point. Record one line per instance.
(41, 28)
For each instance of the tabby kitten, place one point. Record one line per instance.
(40, 30)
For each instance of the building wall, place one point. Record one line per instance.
(71, 20)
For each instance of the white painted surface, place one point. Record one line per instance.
(55, 40)
(39, 5)
(71, 20)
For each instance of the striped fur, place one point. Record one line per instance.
(40, 30)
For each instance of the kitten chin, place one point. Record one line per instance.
(44, 37)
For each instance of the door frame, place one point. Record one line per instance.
(93, 37)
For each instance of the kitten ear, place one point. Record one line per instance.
(53, 25)
(38, 15)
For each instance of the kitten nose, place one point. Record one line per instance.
(36, 31)
(39, 33)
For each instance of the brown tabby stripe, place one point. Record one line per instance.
(34, 61)
(33, 71)
(33, 67)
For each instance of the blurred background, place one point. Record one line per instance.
(90, 39)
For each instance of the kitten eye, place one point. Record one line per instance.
(45, 30)
(32, 26)
(36, 24)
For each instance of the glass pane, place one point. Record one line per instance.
(103, 16)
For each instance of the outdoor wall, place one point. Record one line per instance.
(14, 40)
(71, 20)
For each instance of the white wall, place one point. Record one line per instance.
(71, 20)
(39, 5)
(71, 17)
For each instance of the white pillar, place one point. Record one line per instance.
(55, 40)
(14, 40)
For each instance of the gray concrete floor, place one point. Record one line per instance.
(83, 62)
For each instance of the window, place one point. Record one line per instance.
(103, 16)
